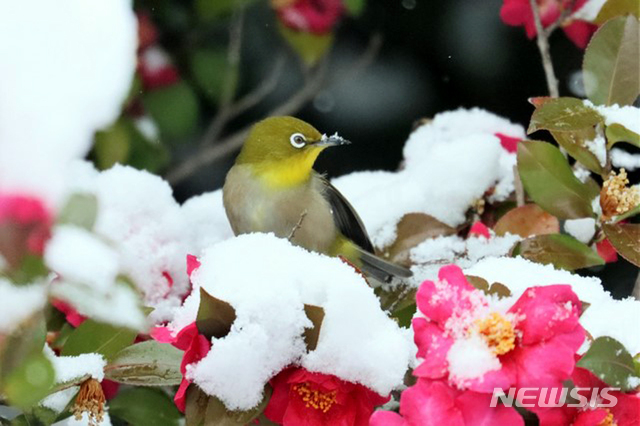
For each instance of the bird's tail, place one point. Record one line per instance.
(380, 269)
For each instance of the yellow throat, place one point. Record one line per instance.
(289, 172)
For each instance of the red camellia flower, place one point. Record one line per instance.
(518, 13)
(302, 398)
(25, 227)
(313, 16)
(479, 229)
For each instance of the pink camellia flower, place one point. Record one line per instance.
(624, 412)
(479, 229)
(518, 13)
(72, 316)
(434, 403)
(25, 227)
(313, 16)
(303, 398)
(509, 143)
(479, 344)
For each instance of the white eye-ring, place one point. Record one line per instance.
(298, 140)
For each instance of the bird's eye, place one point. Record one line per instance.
(297, 140)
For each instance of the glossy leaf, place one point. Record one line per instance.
(561, 251)
(210, 68)
(563, 115)
(526, 221)
(610, 361)
(174, 109)
(30, 381)
(611, 68)
(80, 210)
(625, 238)
(147, 363)
(312, 334)
(92, 336)
(25, 341)
(574, 144)
(112, 145)
(413, 229)
(614, 8)
(217, 414)
(618, 133)
(144, 406)
(481, 284)
(215, 316)
(549, 181)
(354, 7)
(309, 47)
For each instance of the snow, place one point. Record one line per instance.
(267, 281)
(598, 147)
(581, 173)
(68, 368)
(18, 303)
(582, 230)
(57, 90)
(58, 401)
(604, 317)
(428, 256)
(623, 159)
(627, 116)
(80, 256)
(470, 358)
(589, 11)
(207, 219)
(84, 421)
(449, 164)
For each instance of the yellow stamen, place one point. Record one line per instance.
(615, 197)
(314, 398)
(91, 400)
(608, 421)
(498, 333)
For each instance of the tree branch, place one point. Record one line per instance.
(298, 225)
(543, 47)
(211, 152)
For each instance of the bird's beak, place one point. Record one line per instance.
(326, 141)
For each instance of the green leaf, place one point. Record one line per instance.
(210, 10)
(210, 68)
(215, 316)
(144, 406)
(618, 133)
(563, 115)
(309, 47)
(481, 284)
(549, 181)
(195, 406)
(608, 360)
(175, 110)
(625, 238)
(354, 7)
(575, 144)
(634, 211)
(217, 414)
(147, 363)
(80, 210)
(92, 336)
(30, 381)
(25, 341)
(561, 251)
(312, 334)
(111, 146)
(31, 268)
(611, 67)
(614, 8)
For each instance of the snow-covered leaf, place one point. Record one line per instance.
(80, 210)
(549, 181)
(610, 361)
(611, 63)
(215, 316)
(311, 335)
(92, 336)
(625, 238)
(563, 115)
(526, 221)
(146, 364)
(574, 143)
(561, 251)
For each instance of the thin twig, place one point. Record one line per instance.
(316, 81)
(561, 19)
(543, 47)
(298, 225)
(517, 182)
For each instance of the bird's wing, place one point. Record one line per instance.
(345, 217)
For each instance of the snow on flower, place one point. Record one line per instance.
(82, 69)
(433, 403)
(268, 281)
(303, 398)
(518, 13)
(314, 16)
(605, 316)
(18, 303)
(480, 343)
(449, 163)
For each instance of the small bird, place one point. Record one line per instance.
(272, 187)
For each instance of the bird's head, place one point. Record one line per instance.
(283, 149)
